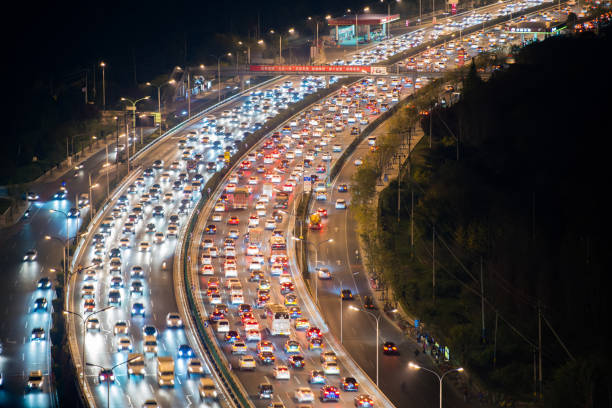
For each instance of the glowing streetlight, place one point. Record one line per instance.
(440, 378)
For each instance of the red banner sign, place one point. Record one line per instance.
(333, 69)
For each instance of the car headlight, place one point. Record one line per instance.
(131, 371)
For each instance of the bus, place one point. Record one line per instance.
(278, 320)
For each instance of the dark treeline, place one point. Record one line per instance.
(527, 196)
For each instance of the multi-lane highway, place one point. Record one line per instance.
(19, 355)
(398, 382)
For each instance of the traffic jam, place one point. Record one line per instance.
(246, 284)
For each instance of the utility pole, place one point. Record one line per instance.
(433, 263)
(482, 300)
(188, 93)
(495, 342)
(412, 218)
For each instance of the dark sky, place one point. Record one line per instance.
(69, 35)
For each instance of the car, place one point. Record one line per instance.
(329, 393)
(149, 331)
(173, 320)
(341, 204)
(292, 347)
(297, 361)
(60, 194)
(114, 297)
(136, 271)
(328, 356)
(265, 345)
(349, 384)
(358, 161)
(32, 196)
(231, 336)
(364, 401)
(121, 327)
(195, 367)
(390, 348)
(30, 255)
(44, 283)
(223, 325)
(124, 344)
(315, 344)
(138, 309)
(211, 229)
(266, 357)
(317, 377)
(136, 288)
(35, 380)
(185, 351)
(304, 394)
(144, 246)
(239, 347)
(266, 391)
(331, 368)
(106, 375)
(38, 334)
(323, 273)
(149, 344)
(74, 213)
(347, 294)
(301, 323)
(281, 372)
(313, 333)
(246, 362)
(93, 323)
(40, 304)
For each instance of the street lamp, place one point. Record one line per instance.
(103, 65)
(280, 43)
(137, 358)
(134, 125)
(377, 318)
(389, 13)
(229, 54)
(170, 82)
(66, 243)
(85, 319)
(316, 247)
(440, 378)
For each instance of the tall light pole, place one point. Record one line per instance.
(91, 204)
(377, 318)
(316, 247)
(64, 244)
(85, 319)
(66, 261)
(440, 378)
(316, 39)
(103, 65)
(159, 87)
(137, 358)
(229, 54)
(280, 43)
(133, 109)
(389, 14)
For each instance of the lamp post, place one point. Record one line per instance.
(103, 65)
(316, 38)
(66, 261)
(85, 319)
(389, 14)
(91, 204)
(137, 358)
(316, 247)
(377, 318)
(134, 125)
(229, 54)
(159, 87)
(440, 378)
(64, 244)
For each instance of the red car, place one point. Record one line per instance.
(233, 220)
(287, 287)
(329, 393)
(322, 212)
(314, 332)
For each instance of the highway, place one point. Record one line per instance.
(399, 383)
(19, 356)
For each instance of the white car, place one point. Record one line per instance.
(304, 394)
(270, 225)
(281, 372)
(237, 299)
(331, 368)
(253, 221)
(252, 250)
(253, 335)
(173, 320)
(358, 161)
(275, 178)
(340, 204)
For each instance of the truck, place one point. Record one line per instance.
(239, 199)
(207, 389)
(314, 222)
(165, 371)
(278, 242)
(136, 364)
(268, 189)
(282, 199)
(255, 236)
(278, 320)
